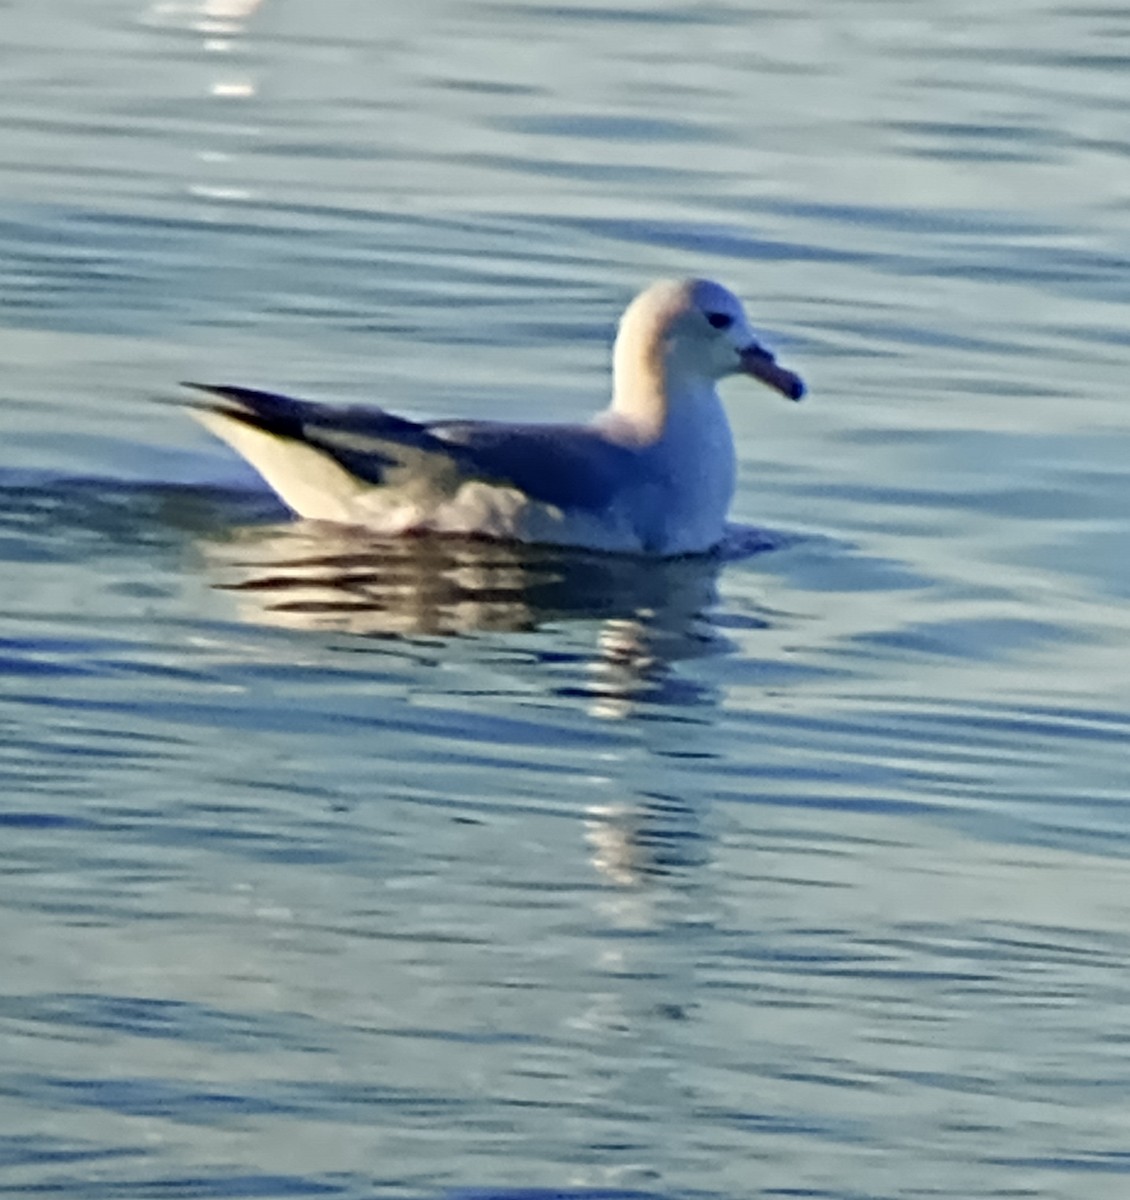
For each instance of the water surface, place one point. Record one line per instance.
(417, 870)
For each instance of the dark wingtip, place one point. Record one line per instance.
(215, 393)
(269, 411)
(224, 390)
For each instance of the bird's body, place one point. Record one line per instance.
(654, 473)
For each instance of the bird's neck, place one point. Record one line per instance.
(651, 396)
(679, 424)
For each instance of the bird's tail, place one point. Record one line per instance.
(270, 432)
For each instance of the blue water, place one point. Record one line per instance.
(443, 870)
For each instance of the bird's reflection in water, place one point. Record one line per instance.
(317, 577)
(648, 837)
(651, 616)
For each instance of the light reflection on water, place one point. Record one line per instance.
(413, 869)
(307, 575)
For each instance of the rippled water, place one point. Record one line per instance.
(430, 870)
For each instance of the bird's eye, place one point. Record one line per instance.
(720, 320)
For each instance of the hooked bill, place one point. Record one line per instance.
(758, 362)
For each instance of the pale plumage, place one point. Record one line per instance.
(653, 473)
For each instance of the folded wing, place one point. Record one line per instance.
(320, 459)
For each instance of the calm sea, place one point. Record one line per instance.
(432, 871)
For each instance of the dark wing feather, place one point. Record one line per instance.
(371, 444)
(568, 466)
